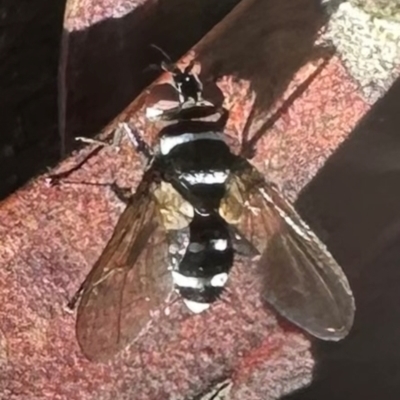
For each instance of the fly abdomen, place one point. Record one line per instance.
(201, 274)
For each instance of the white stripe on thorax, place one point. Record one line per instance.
(167, 143)
(209, 178)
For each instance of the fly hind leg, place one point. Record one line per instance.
(123, 194)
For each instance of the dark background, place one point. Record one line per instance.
(95, 61)
(30, 33)
(356, 197)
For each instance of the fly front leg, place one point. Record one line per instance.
(122, 130)
(58, 178)
(136, 140)
(114, 143)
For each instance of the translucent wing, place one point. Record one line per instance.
(129, 280)
(301, 279)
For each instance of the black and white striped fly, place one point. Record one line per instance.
(197, 207)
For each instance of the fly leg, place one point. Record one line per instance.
(55, 179)
(136, 140)
(123, 194)
(122, 130)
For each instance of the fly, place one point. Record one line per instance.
(197, 206)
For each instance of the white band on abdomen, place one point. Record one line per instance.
(219, 244)
(193, 282)
(196, 307)
(188, 281)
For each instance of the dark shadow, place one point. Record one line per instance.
(249, 143)
(354, 202)
(270, 42)
(29, 56)
(105, 66)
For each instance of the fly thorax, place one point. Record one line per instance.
(201, 161)
(172, 141)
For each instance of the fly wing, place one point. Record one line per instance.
(129, 280)
(300, 277)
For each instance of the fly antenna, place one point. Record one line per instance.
(163, 52)
(167, 65)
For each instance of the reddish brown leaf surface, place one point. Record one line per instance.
(52, 236)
